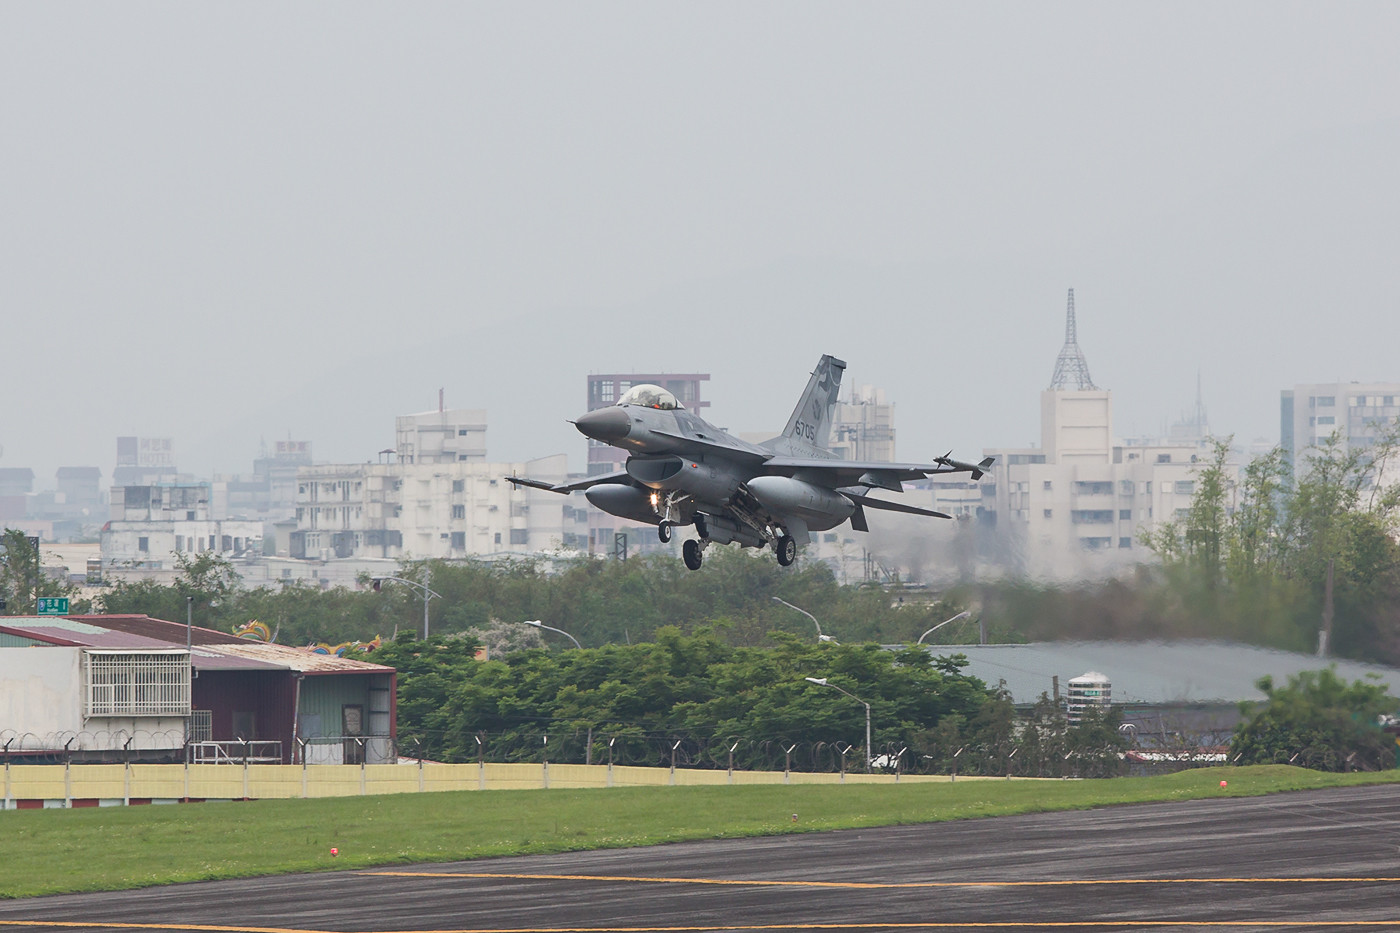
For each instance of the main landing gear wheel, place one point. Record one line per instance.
(786, 549)
(663, 531)
(690, 553)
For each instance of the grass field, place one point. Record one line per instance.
(52, 851)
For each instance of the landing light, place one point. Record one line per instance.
(654, 499)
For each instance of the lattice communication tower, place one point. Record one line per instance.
(1071, 366)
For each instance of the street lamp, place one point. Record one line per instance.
(428, 594)
(822, 682)
(961, 615)
(820, 636)
(538, 624)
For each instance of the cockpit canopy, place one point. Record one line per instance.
(649, 396)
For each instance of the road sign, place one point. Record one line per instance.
(53, 605)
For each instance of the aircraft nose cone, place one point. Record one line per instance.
(605, 424)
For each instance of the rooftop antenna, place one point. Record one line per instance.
(1071, 365)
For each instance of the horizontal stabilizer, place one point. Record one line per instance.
(888, 506)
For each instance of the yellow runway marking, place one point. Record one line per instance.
(879, 885)
(738, 928)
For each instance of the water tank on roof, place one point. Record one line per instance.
(1085, 691)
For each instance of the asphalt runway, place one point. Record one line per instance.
(1319, 860)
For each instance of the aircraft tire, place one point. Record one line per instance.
(690, 553)
(663, 531)
(786, 549)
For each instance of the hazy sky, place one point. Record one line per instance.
(228, 222)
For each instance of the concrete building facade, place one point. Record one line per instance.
(436, 509)
(153, 524)
(1358, 412)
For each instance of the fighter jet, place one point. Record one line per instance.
(684, 471)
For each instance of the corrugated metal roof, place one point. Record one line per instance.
(1157, 673)
(67, 632)
(299, 659)
(86, 635)
(222, 653)
(173, 632)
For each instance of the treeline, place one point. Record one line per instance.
(695, 700)
(599, 602)
(1255, 557)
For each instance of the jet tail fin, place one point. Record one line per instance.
(809, 427)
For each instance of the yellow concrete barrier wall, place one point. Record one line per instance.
(113, 783)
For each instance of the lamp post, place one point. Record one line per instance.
(822, 682)
(538, 624)
(961, 615)
(418, 588)
(820, 636)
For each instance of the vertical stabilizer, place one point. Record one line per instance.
(809, 428)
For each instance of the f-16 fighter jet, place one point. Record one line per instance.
(682, 470)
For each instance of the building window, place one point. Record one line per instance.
(143, 544)
(1047, 486)
(498, 537)
(519, 536)
(1125, 515)
(459, 511)
(1091, 516)
(1185, 487)
(1083, 488)
(459, 485)
(201, 725)
(1326, 419)
(1125, 487)
(1049, 512)
(1164, 458)
(1125, 542)
(130, 683)
(459, 540)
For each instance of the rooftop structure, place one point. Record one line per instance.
(1070, 365)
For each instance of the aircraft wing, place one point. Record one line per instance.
(619, 476)
(873, 473)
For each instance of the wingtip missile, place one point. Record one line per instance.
(957, 466)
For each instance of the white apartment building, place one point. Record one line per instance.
(435, 509)
(1078, 504)
(452, 435)
(862, 426)
(1310, 413)
(152, 524)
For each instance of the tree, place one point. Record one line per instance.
(1318, 721)
(1207, 526)
(22, 580)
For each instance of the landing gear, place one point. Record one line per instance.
(786, 549)
(691, 554)
(663, 531)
